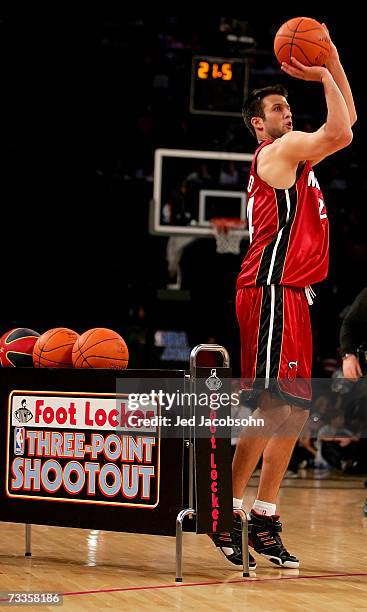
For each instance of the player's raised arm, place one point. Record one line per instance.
(336, 132)
(333, 64)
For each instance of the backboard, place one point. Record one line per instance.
(192, 187)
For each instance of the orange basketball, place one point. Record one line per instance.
(302, 38)
(100, 348)
(53, 349)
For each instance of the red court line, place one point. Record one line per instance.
(178, 585)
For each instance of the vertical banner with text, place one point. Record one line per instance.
(213, 455)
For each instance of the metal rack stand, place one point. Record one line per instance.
(191, 510)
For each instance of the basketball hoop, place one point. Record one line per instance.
(228, 232)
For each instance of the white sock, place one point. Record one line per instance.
(237, 503)
(264, 508)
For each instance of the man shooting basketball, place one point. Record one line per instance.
(288, 252)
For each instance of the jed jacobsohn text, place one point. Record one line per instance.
(167, 400)
(202, 421)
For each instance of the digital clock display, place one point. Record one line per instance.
(218, 85)
(214, 71)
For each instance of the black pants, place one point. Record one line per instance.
(351, 458)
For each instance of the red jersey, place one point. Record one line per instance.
(289, 232)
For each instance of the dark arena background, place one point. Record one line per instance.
(89, 103)
(85, 104)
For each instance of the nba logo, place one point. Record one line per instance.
(19, 433)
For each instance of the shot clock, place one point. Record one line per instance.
(212, 70)
(218, 85)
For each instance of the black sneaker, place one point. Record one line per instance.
(264, 538)
(230, 544)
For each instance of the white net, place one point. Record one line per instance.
(228, 234)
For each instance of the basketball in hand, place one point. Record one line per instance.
(303, 38)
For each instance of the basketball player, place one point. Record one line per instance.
(288, 252)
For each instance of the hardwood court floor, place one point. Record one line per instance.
(323, 524)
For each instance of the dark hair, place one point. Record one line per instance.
(253, 106)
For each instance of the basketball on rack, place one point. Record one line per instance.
(53, 349)
(100, 348)
(16, 347)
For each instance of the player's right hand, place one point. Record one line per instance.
(306, 73)
(334, 55)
